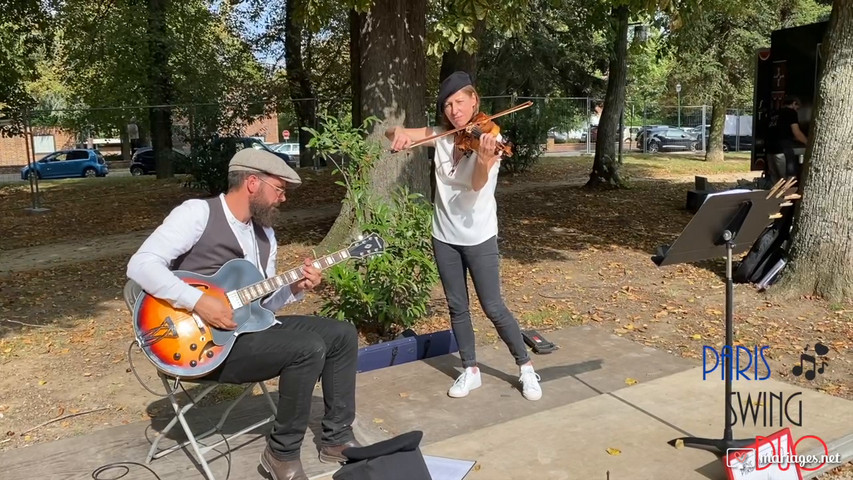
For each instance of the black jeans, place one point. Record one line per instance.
(299, 351)
(454, 262)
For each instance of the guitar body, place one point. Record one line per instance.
(178, 343)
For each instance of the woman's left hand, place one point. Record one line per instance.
(488, 146)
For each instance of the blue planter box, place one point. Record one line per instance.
(408, 348)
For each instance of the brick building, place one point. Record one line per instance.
(13, 150)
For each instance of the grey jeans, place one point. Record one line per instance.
(776, 167)
(454, 262)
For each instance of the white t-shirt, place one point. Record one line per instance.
(462, 216)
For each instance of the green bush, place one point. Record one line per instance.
(392, 290)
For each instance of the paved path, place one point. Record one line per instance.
(589, 421)
(66, 253)
(48, 256)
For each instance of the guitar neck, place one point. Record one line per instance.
(265, 287)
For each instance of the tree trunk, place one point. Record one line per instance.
(821, 260)
(160, 92)
(125, 143)
(715, 135)
(298, 79)
(605, 167)
(391, 86)
(355, 21)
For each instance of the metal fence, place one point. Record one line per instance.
(118, 132)
(568, 124)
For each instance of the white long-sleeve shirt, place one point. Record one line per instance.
(182, 228)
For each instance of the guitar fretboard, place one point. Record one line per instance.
(255, 291)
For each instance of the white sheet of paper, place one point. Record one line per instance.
(727, 192)
(441, 468)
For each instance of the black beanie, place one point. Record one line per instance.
(452, 84)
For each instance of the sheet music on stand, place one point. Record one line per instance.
(726, 192)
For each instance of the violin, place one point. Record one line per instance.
(468, 136)
(468, 139)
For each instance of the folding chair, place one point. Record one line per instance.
(172, 389)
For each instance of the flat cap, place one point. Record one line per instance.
(261, 161)
(452, 84)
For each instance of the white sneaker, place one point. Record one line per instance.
(469, 380)
(529, 379)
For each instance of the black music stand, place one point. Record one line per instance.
(725, 224)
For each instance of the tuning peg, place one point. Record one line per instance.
(359, 237)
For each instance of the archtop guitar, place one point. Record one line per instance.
(181, 345)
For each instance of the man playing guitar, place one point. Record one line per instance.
(200, 236)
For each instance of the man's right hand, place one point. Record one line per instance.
(214, 312)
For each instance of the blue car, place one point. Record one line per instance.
(67, 164)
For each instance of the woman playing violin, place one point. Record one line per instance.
(465, 228)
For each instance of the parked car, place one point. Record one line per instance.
(251, 142)
(558, 136)
(142, 162)
(670, 139)
(735, 142)
(731, 143)
(67, 164)
(291, 149)
(593, 134)
(644, 132)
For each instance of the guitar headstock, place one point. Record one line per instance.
(368, 246)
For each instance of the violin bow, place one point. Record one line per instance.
(499, 114)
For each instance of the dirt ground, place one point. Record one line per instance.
(570, 257)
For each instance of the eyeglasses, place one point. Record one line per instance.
(278, 190)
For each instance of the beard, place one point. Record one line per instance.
(264, 215)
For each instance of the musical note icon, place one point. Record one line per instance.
(821, 349)
(823, 363)
(798, 370)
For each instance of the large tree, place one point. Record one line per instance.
(388, 53)
(23, 33)
(821, 259)
(160, 85)
(207, 69)
(605, 166)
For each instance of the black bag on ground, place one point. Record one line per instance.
(766, 251)
(392, 459)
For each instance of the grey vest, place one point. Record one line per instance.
(218, 244)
